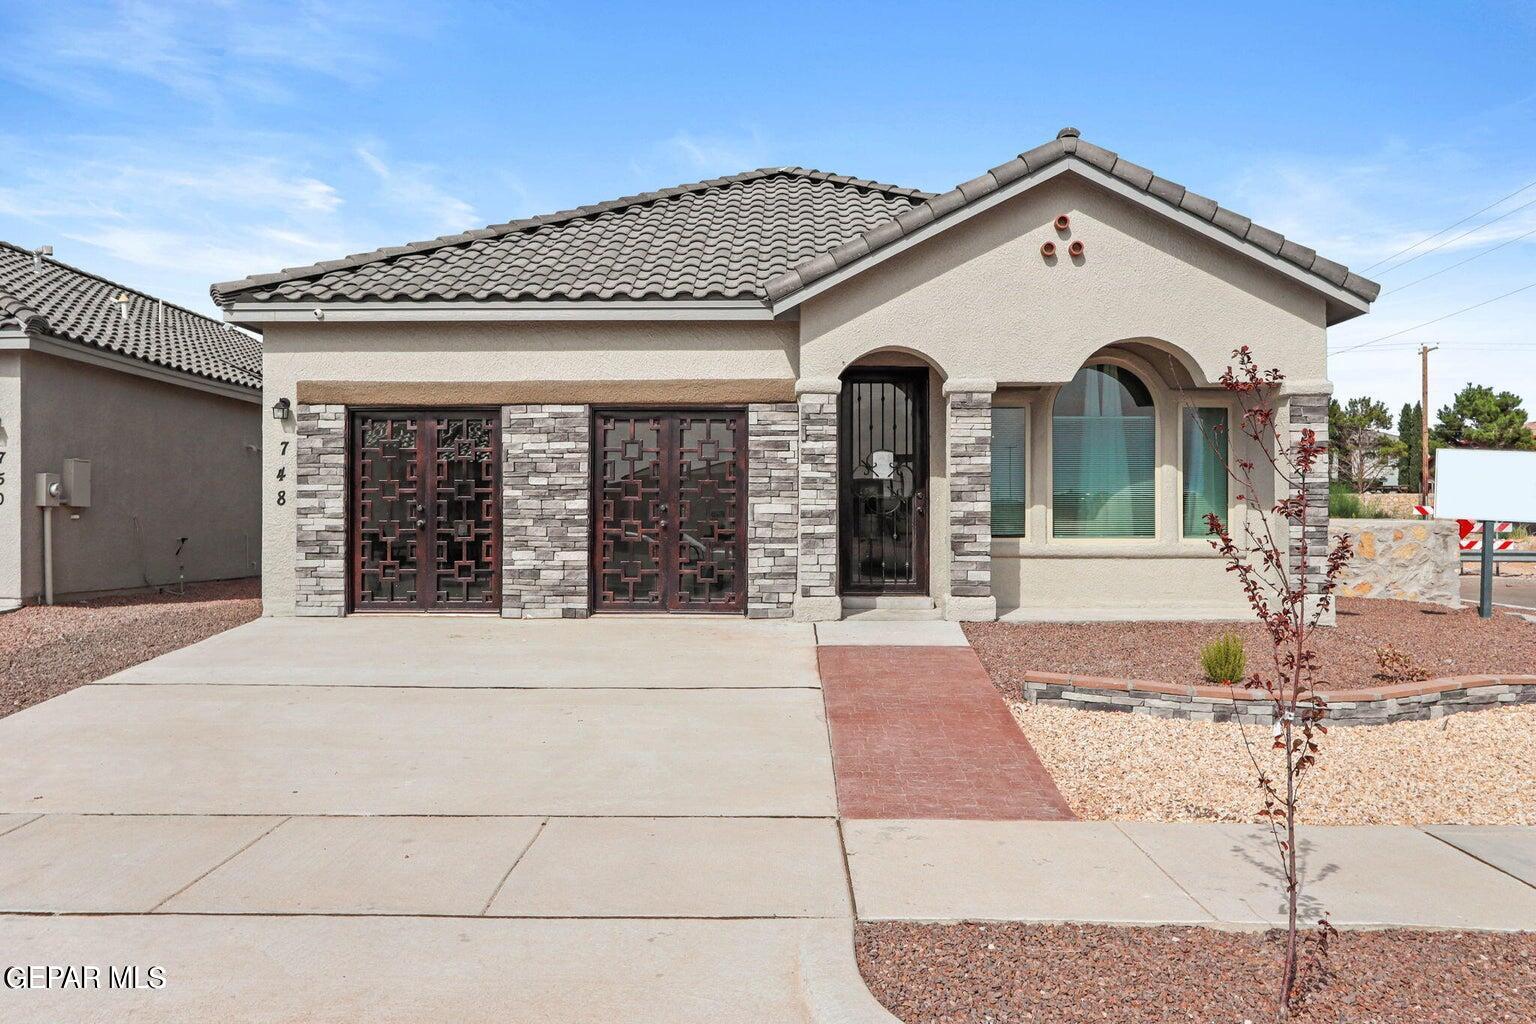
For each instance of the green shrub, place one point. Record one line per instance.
(1344, 503)
(1223, 659)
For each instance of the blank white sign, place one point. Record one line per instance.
(1477, 483)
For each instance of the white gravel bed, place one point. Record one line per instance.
(1474, 768)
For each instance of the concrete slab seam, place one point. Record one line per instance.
(1164, 872)
(282, 821)
(1472, 856)
(516, 861)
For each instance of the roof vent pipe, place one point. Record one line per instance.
(38, 254)
(122, 301)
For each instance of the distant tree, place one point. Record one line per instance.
(1411, 465)
(1479, 417)
(1357, 435)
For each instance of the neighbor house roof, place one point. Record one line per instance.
(763, 235)
(718, 239)
(71, 304)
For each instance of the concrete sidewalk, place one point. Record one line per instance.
(1221, 874)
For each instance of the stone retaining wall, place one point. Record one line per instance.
(1404, 702)
(1402, 559)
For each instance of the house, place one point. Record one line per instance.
(129, 437)
(786, 393)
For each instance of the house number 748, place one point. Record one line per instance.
(282, 472)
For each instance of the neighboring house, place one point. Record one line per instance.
(1388, 477)
(786, 392)
(164, 405)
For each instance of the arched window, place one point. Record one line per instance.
(1104, 455)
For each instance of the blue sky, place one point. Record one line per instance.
(174, 144)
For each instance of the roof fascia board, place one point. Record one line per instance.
(64, 349)
(1073, 164)
(387, 312)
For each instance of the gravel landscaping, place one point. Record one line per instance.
(1066, 974)
(1440, 641)
(48, 650)
(1469, 769)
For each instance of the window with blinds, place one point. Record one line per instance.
(1205, 468)
(1104, 456)
(1010, 506)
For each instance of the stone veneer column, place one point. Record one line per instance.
(1311, 410)
(970, 500)
(320, 505)
(773, 503)
(816, 598)
(546, 485)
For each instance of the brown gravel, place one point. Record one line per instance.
(46, 651)
(1440, 641)
(1073, 974)
(1472, 768)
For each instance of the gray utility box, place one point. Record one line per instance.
(50, 492)
(77, 483)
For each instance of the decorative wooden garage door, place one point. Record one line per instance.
(425, 511)
(670, 492)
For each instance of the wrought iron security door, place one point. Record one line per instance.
(883, 469)
(426, 511)
(669, 492)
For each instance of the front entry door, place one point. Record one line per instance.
(426, 511)
(670, 496)
(883, 469)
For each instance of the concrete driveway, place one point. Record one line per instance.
(436, 818)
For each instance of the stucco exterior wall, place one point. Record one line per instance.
(166, 462)
(684, 351)
(12, 481)
(979, 301)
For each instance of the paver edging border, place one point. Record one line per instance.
(1400, 702)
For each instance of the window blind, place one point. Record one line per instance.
(1009, 462)
(1205, 468)
(1103, 456)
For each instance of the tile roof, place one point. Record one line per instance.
(1068, 143)
(762, 235)
(65, 302)
(718, 239)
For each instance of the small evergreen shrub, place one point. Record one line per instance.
(1223, 659)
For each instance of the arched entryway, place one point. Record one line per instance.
(883, 472)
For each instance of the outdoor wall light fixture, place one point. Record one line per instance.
(281, 409)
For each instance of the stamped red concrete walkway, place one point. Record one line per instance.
(921, 732)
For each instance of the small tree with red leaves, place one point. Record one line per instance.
(1290, 599)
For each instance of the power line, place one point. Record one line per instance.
(1453, 266)
(1457, 238)
(1436, 320)
(1448, 227)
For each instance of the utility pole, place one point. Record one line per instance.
(1424, 351)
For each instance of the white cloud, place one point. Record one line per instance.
(210, 51)
(1363, 208)
(719, 154)
(408, 189)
